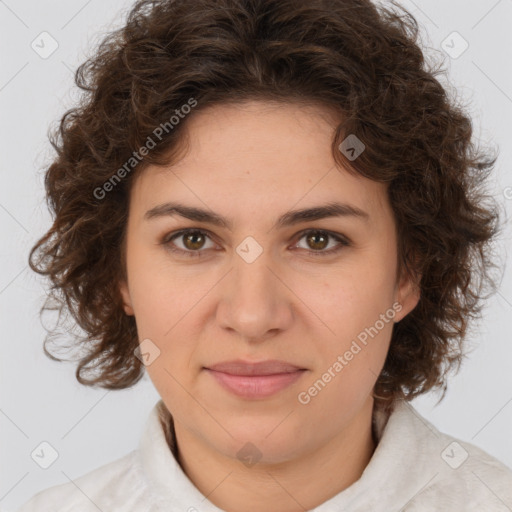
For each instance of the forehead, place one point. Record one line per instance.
(255, 158)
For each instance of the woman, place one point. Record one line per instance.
(274, 208)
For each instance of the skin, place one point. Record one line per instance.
(251, 163)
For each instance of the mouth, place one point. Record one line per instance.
(255, 380)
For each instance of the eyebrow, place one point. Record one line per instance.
(290, 218)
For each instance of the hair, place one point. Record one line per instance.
(357, 58)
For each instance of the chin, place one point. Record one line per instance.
(261, 439)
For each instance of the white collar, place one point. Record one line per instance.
(402, 464)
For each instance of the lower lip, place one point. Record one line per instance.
(259, 386)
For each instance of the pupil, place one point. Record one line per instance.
(191, 237)
(314, 236)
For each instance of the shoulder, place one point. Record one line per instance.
(471, 477)
(118, 485)
(459, 473)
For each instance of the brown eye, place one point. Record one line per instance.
(193, 240)
(318, 240)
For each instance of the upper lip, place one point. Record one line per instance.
(269, 367)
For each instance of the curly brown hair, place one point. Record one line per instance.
(358, 58)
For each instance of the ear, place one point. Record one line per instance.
(407, 293)
(125, 294)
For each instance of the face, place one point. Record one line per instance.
(318, 292)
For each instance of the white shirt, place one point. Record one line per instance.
(414, 468)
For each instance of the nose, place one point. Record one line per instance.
(255, 302)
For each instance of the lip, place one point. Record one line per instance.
(268, 367)
(255, 380)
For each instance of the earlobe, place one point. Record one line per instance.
(125, 294)
(408, 294)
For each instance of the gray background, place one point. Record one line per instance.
(40, 399)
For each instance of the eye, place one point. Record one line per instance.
(319, 240)
(193, 240)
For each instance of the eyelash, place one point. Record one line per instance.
(343, 242)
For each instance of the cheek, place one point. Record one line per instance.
(168, 304)
(164, 309)
(356, 305)
(158, 292)
(350, 299)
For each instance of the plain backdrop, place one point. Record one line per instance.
(40, 399)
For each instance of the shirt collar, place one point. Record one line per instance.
(394, 474)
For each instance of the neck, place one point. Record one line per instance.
(300, 483)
